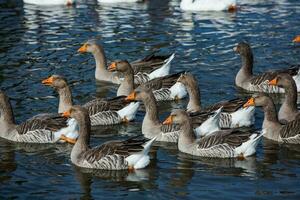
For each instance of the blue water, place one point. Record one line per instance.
(36, 42)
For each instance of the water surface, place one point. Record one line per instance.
(36, 42)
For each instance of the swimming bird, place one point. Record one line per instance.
(222, 144)
(288, 110)
(42, 128)
(50, 2)
(259, 83)
(208, 5)
(102, 111)
(233, 114)
(272, 128)
(151, 66)
(164, 88)
(129, 154)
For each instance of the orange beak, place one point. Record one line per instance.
(273, 82)
(112, 67)
(250, 102)
(66, 114)
(232, 8)
(296, 39)
(48, 81)
(169, 120)
(82, 49)
(131, 96)
(69, 140)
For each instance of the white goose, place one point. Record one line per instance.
(50, 2)
(208, 5)
(119, 1)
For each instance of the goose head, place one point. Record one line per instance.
(140, 94)
(188, 80)
(120, 66)
(243, 49)
(258, 100)
(56, 81)
(282, 80)
(178, 116)
(90, 46)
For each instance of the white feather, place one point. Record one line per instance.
(297, 80)
(141, 160)
(49, 2)
(163, 70)
(210, 125)
(248, 148)
(178, 91)
(129, 111)
(206, 5)
(118, 1)
(243, 117)
(71, 131)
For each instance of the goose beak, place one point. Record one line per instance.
(69, 140)
(250, 102)
(112, 67)
(66, 114)
(169, 120)
(48, 81)
(296, 39)
(131, 96)
(273, 82)
(82, 49)
(232, 8)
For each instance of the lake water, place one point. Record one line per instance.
(36, 42)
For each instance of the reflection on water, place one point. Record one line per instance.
(39, 41)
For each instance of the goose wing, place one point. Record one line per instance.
(99, 105)
(228, 106)
(125, 148)
(291, 129)
(149, 63)
(52, 122)
(163, 82)
(232, 137)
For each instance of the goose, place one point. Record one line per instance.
(208, 5)
(296, 39)
(233, 115)
(50, 2)
(101, 111)
(152, 127)
(288, 110)
(119, 1)
(145, 69)
(164, 88)
(42, 128)
(222, 144)
(272, 128)
(259, 83)
(129, 154)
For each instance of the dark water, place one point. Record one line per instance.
(36, 42)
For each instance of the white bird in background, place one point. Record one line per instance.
(50, 2)
(208, 5)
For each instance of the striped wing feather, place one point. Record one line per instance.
(233, 138)
(124, 148)
(228, 106)
(51, 122)
(291, 129)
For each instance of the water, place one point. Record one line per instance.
(37, 42)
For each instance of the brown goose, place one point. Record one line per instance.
(223, 144)
(164, 88)
(42, 128)
(152, 127)
(272, 129)
(145, 69)
(113, 155)
(102, 111)
(288, 110)
(233, 114)
(259, 83)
